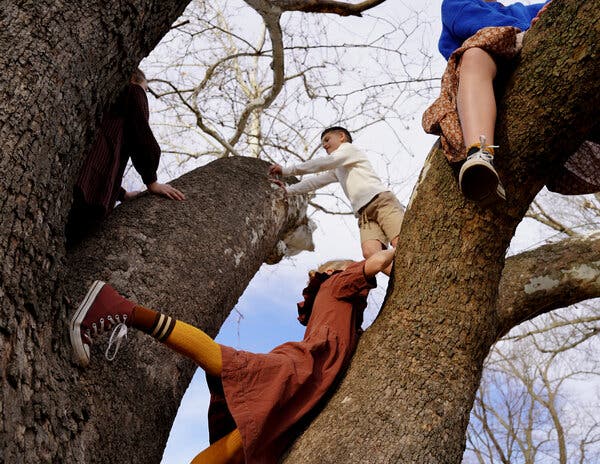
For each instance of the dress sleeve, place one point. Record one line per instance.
(141, 143)
(352, 282)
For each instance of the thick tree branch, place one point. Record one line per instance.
(327, 6)
(190, 259)
(550, 277)
(423, 356)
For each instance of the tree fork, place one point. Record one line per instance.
(407, 395)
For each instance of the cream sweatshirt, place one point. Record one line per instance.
(346, 165)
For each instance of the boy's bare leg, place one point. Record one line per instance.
(371, 247)
(475, 100)
(227, 450)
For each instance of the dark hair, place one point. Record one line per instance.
(337, 129)
(138, 76)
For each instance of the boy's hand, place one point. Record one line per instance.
(278, 182)
(275, 170)
(165, 190)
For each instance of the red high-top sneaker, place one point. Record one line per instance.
(101, 309)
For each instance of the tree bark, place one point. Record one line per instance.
(407, 395)
(60, 65)
(190, 259)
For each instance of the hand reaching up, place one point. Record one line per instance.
(275, 170)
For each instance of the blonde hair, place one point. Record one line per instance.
(334, 264)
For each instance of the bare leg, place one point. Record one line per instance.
(475, 100)
(370, 247)
(227, 450)
(476, 104)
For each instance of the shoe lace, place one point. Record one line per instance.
(116, 338)
(484, 146)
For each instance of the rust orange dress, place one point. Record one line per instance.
(267, 395)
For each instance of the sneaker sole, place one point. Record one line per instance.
(478, 174)
(82, 352)
(495, 197)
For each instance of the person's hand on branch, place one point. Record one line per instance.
(165, 190)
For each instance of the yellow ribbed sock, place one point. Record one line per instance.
(195, 344)
(227, 450)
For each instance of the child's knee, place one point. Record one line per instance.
(477, 59)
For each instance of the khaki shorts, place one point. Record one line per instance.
(381, 218)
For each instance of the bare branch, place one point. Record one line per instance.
(199, 120)
(542, 216)
(326, 6)
(328, 211)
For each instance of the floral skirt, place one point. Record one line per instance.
(581, 172)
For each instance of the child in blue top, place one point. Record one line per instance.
(472, 82)
(463, 18)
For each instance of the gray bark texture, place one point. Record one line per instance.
(549, 277)
(61, 63)
(407, 395)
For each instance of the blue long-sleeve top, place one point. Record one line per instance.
(463, 18)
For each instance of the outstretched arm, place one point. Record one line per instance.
(379, 262)
(312, 183)
(343, 156)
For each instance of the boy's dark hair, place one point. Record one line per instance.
(337, 129)
(138, 76)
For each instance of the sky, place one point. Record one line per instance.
(263, 319)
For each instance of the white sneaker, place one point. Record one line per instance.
(478, 180)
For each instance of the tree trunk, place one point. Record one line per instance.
(190, 259)
(60, 65)
(407, 395)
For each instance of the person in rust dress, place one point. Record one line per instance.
(258, 399)
(124, 133)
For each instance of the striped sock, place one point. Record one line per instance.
(181, 337)
(196, 345)
(152, 322)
